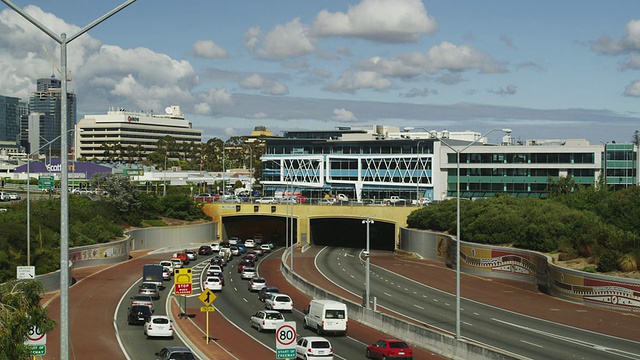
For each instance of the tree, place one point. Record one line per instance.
(115, 189)
(19, 310)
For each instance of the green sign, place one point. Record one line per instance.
(133, 172)
(286, 353)
(37, 349)
(46, 182)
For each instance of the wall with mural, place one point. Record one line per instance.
(509, 263)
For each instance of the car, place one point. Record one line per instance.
(175, 353)
(243, 264)
(389, 349)
(145, 300)
(205, 250)
(217, 260)
(149, 288)
(241, 248)
(213, 283)
(249, 243)
(192, 255)
(266, 320)
(248, 273)
(327, 201)
(215, 247)
(265, 248)
(258, 251)
(251, 256)
(290, 200)
(232, 199)
(233, 240)
(235, 251)
(4, 196)
(14, 196)
(314, 347)
(265, 291)
(177, 263)
(167, 264)
(217, 268)
(277, 301)
(158, 326)
(205, 197)
(257, 283)
(138, 314)
(266, 200)
(166, 273)
(217, 274)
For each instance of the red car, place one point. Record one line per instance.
(389, 349)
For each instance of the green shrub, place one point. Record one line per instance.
(609, 261)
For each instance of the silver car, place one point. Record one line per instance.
(149, 288)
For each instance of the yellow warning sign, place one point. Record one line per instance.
(207, 297)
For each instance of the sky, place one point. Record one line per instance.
(545, 69)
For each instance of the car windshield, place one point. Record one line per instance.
(283, 299)
(160, 320)
(148, 286)
(398, 345)
(182, 356)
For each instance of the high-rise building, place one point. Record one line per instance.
(46, 101)
(9, 118)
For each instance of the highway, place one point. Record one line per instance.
(237, 304)
(525, 336)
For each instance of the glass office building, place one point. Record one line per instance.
(369, 164)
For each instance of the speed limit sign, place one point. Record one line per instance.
(35, 336)
(286, 340)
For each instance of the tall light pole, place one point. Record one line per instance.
(458, 240)
(367, 255)
(64, 195)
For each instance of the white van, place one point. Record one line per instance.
(326, 316)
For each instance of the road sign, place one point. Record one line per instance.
(35, 350)
(133, 172)
(286, 340)
(46, 182)
(35, 336)
(207, 297)
(182, 276)
(207, 309)
(183, 289)
(26, 272)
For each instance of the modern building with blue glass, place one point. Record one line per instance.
(371, 163)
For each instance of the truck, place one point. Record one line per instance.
(153, 273)
(326, 316)
(395, 200)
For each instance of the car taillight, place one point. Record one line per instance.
(170, 327)
(309, 350)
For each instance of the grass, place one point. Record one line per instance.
(154, 222)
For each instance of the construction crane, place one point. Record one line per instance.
(53, 61)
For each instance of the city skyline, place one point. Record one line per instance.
(545, 69)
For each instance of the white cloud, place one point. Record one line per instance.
(507, 90)
(378, 20)
(628, 43)
(343, 115)
(202, 109)
(633, 89)
(351, 81)
(415, 92)
(284, 41)
(253, 81)
(276, 88)
(209, 49)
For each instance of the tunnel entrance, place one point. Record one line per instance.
(350, 233)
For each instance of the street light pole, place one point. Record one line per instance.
(458, 240)
(64, 171)
(367, 255)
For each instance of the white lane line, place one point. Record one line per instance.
(418, 306)
(532, 344)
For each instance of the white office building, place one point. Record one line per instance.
(130, 136)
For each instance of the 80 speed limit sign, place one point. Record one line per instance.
(286, 335)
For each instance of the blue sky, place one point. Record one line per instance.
(545, 69)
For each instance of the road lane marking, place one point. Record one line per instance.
(530, 343)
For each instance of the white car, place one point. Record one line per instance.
(233, 240)
(314, 347)
(158, 326)
(215, 247)
(280, 302)
(266, 320)
(327, 201)
(145, 300)
(257, 283)
(177, 263)
(215, 268)
(192, 255)
(249, 243)
(168, 264)
(266, 200)
(166, 273)
(265, 248)
(213, 283)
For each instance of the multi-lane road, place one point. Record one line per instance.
(523, 335)
(104, 297)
